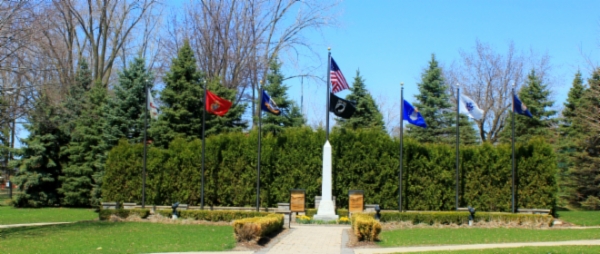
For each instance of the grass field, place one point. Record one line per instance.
(11, 215)
(441, 236)
(116, 237)
(551, 249)
(581, 218)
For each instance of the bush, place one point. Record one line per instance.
(211, 215)
(460, 218)
(365, 227)
(365, 160)
(252, 229)
(591, 203)
(123, 213)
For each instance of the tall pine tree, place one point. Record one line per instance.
(41, 162)
(291, 115)
(87, 153)
(126, 110)
(570, 131)
(440, 115)
(585, 174)
(535, 95)
(367, 115)
(181, 112)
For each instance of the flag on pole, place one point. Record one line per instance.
(216, 105)
(467, 105)
(338, 82)
(520, 108)
(152, 106)
(268, 104)
(340, 107)
(412, 115)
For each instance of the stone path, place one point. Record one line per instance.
(32, 224)
(310, 239)
(473, 247)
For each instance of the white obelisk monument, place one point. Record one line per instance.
(326, 211)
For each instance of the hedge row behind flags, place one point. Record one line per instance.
(363, 159)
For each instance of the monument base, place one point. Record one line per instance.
(326, 211)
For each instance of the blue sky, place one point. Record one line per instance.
(392, 42)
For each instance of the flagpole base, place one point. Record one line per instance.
(326, 211)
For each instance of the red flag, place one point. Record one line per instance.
(216, 104)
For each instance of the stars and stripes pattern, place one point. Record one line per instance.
(338, 82)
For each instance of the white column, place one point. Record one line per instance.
(326, 210)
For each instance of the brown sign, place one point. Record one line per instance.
(356, 203)
(297, 201)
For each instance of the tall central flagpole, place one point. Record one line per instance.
(203, 145)
(259, 137)
(401, 146)
(145, 145)
(513, 151)
(457, 140)
(328, 91)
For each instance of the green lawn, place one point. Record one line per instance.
(11, 215)
(551, 249)
(442, 236)
(582, 218)
(116, 237)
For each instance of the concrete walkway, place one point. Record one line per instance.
(32, 224)
(473, 247)
(310, 239)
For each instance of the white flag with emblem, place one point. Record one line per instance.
(470, 107)
(152, 106)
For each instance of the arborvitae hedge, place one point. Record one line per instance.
(364, 159)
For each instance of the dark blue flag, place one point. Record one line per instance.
(268, 104)
(412, 115)
(520, 108)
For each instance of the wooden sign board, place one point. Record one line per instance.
(297, 201)
(356, 201)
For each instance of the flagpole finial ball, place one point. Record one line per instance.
(262, 82)
(401, 83)
(328, 48)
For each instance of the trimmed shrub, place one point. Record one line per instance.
(123, 213)
(460, 218)
(210, 215)
(365, 227)
(252, 229)
(363, 160)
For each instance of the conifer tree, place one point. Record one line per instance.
(291, 115)
(76, 182)
(41, 162)
(570, 132)
(181, 112)
(535, 95)
(585, 174)
(439, 114)
(367, 115)
(126, 110)
(87, 153)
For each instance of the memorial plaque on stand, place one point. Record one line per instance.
(297, 200)
(356, 200)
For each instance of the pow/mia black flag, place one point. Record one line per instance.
(340, 107)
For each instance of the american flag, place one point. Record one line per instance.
(338, 82)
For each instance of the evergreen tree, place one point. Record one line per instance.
(440, 115)
(41, 161)
(291, 115)
(367, 114)
(585, 174)
(181, 113)
(570, 135)
(535, 95)
(126, 111)
(87, 153)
